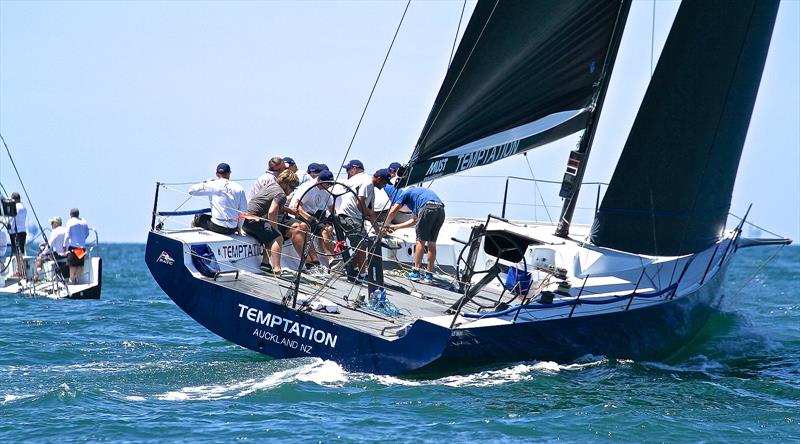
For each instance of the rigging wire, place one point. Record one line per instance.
(461, 71)
(364, 112)
(453, 52)
(24, 190)
(458, 29)
(536, 185)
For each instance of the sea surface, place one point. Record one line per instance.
(134, 367)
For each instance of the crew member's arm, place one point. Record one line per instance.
(405, 224)
(365, 210)
(272, 214)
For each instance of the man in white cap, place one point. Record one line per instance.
(54, 248)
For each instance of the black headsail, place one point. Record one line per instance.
(671, 191)
(525, 74)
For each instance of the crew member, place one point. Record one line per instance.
(227, 202)
(394, 167)
(263, 220)
(55, 248)
(311, 200)
(274, 167)
(428, 215)
(352, 208)
(18, 232)
(75, 242)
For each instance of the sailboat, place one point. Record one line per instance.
(639, 283)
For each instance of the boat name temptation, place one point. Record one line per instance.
(236, 251)
(289, 326)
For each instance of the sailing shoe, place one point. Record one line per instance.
(317, 270)
(285, 274)
(427, 279)
(266, 268)
(414, 276)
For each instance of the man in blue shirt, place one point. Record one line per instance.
(427, 213)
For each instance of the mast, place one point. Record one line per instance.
(576, 164)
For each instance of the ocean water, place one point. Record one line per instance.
(134, 367)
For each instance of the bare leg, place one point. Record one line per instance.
(298, 233)
(431, 255)
(275, 253)
(418, 252)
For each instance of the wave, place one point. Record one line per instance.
(326, 373)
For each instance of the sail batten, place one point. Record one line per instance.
(671, 190)
(519, 62)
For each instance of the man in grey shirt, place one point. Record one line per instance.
(263, 220)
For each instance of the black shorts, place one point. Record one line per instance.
(261, 230)
(353, 229)
(429, 222)
(73, 260)
(18, 243)
(204, 221)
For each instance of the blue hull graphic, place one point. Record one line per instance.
(642, 333)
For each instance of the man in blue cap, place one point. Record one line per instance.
(311, 201)
(394, 167)
(227, 202)
(427, 213)
(352, 208)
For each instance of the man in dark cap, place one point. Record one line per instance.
(394, 167)
(428, 215)
(18, 231)
(227, 202)
(352, 208)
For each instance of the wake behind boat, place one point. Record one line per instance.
(638, 284)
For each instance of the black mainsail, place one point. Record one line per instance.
(526, 73)
(671, 190)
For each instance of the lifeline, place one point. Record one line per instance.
(289, 326)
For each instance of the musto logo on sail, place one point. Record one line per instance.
(291, 329)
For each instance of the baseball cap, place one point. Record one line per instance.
(55, 219)
(313, 167)
(288, 160)
(223, 168)
(394, 166)
(382, 173)
(325, 175)
(353, 164)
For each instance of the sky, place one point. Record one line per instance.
(100, 100)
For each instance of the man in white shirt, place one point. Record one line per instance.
(274, 167)
(54, 248)
(77, 230)
(227, 199)
(311, 200)
(351, 209)
(18, 232)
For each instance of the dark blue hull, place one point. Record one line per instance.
(280, 332)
